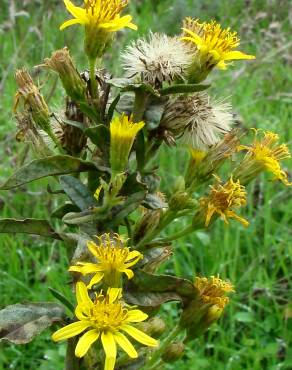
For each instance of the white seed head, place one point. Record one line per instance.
(196, 120)
(157, 59)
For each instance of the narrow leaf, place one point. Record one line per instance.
(183, 89)
(62, 299)
(77, 192)
(28, 226)
(50, 166)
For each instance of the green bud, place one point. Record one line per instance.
(173, 352)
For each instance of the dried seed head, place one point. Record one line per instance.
(156, 60)
(198, 121)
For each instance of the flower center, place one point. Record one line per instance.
(107, 316)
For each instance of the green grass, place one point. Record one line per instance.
(255, 332)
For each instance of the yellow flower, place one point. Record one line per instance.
(123, 132)
(106, 317)
(222, 199)
(263, 155)
(213, 290)
(113, 259)
(100, 18)
(214, 45)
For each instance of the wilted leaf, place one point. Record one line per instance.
(183, 89)
(150, 299)
(50, 166)
(154, 257)
(28, 226)
(77, 192)
(20, 323)
(153, 201)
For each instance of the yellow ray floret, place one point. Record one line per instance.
(265, 154)
(105, 318)
(104, 14)
(113, 259)
(213, 290)
(222, 199)
(214, 44)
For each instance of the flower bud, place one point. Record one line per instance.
(181, 200)
(154, 327)
(173, 352)
(62, 63)
(147, 224)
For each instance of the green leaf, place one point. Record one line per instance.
(121, 212)
(150, 299)
(112, 108)
(62, 299)
(183, 89)
(61, 211)
(99, 135)
(153, 114)
(20, 323)
(28, 226)
(50, 166)
(127, 85)
(151, 290)
(77, 192)
(79, 217)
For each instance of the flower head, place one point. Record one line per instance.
(123, 132)
(213, 290)
(106, 317)
(113, 259)
(264, 154)
(212, 44)
(100, 18)
(197, 120)
(222, 199)
(156, 60)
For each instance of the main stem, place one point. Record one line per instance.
(93, 82)
(157, 354)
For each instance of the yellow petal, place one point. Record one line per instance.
(110, 349)
(117, 24)
(87, 268)
(139, 336)
(233, 55)
(96, 279)
(222, 65)
(134, 255)
(70, 22)
(75, 10)
(70, 330)
(136, 316)
(114, 294)
(126, 345)
(82, 294)
(85, 342)
(128, 272)
(194, 37)
(92, 247)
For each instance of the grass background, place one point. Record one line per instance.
(255, 332)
